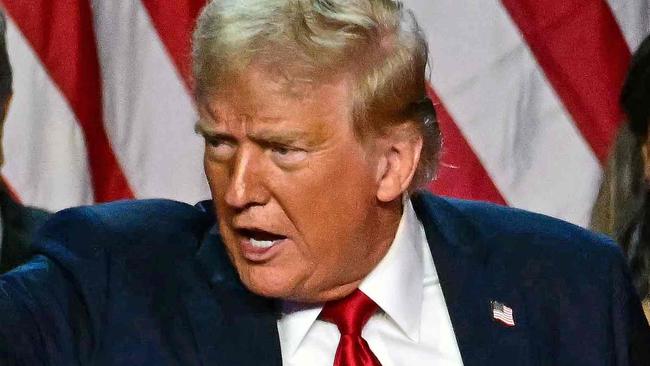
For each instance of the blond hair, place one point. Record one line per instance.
(377, 41)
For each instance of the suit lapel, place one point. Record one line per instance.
(463, 264)
(231, 325)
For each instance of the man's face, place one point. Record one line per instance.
(295, 191)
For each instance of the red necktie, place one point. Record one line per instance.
(350, 314)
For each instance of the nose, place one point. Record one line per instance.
(246, 187)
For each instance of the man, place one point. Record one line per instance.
(317, 127)
(18, 222)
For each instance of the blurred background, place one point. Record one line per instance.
(527, 95)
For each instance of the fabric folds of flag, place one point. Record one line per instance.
(526, 93)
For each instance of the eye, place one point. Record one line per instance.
(281, 150)
(287, 156)
(218, 148)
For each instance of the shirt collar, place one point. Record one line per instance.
(398, 276)
(296, 321)
(396, 284)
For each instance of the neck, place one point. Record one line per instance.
(378, 237)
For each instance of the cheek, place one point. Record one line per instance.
(217, 182)
(345, 180)
(325, 203)
(217, 177)
(321, 189)
(209, 170)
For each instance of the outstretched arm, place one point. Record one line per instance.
(44, 310)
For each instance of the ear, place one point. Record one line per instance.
(400, 154)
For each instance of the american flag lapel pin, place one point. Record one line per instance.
(502, 313)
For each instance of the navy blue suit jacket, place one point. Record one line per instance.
(149, 283)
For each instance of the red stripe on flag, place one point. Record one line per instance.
(460, 173)
(583, 53)
(174, 21)
(62, 35)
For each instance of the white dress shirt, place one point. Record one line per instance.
(413, 326)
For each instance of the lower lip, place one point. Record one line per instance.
(257, 254)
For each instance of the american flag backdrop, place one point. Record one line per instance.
(527, 95)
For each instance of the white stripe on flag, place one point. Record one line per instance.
(148, 111)
(45, 152)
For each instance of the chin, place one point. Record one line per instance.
(268, 283)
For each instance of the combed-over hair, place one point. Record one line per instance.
(378, 42)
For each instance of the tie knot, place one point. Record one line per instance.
(350, 313)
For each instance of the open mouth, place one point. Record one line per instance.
(260, 238)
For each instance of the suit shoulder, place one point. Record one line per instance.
(123, 228)
(519, 230)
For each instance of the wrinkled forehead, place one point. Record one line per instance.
(269, 86)
(260, 95)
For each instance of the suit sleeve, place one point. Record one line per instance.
(630, 327)
(49, 307)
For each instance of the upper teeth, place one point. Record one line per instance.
(263, 243)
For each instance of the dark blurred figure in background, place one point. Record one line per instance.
(623, 206)
(17, 222)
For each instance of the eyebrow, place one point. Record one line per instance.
(202, 130)
(263, 136)
(276, 137)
